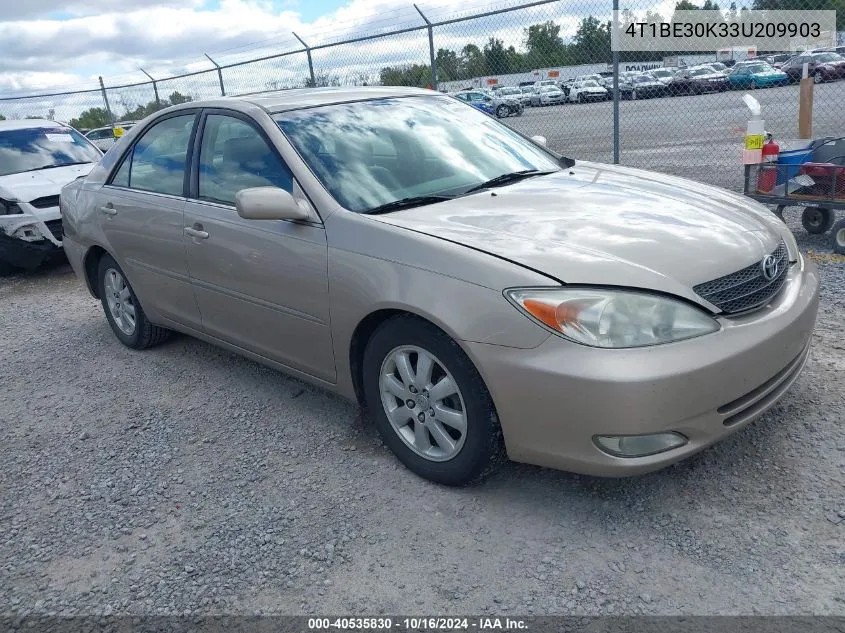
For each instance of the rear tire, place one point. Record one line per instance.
(123, 310)
(817, 221)
(395, 350)
(837, 237)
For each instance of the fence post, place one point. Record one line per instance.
(615, 88)
(155, 87)
(108, 107)
(430, 30)
(310, 63)
(219, 74)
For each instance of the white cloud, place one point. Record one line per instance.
(114, 38)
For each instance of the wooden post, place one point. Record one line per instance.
(805, 106)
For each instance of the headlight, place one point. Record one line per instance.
(612, 318)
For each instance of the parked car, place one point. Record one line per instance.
(645, 86)
(547, 95)
(664, 75)
(578, 317)
(776, 61)
(498, 106)
(695, 81)
(758, 75)
(590, 90)
(514, 93)
(37, 157)
(626, 86)
(527, 91)
(719, 67)
(104, 137)
(822, 66)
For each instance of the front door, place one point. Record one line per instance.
(260, 284)
(140, 212)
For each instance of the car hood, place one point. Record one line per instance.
(30, 185)
(592, 89)
(607, 225)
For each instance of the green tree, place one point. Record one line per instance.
(406, 75)
(496, 57)
(472, 62)
(544, 46)
(2, 118)
(803, 5)
(177, 97)
(592, 41)
(447, 65)
(90, 119)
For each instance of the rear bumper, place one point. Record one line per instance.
(553, 400)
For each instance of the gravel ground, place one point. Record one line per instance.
(187, 479)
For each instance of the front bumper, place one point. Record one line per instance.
(552, 400)
(26, 255)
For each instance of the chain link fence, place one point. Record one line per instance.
(551, 56)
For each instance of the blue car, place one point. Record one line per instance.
(758, 75)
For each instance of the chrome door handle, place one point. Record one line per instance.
(203, 235)
(108, 210)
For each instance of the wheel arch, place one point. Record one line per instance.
(91, 264)
(365, 329)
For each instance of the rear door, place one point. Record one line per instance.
(260, 284)
(140, 213)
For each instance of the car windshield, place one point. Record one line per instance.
(718, 66)
(642, 80)
(33, 148)
(661, 73)
(548, 89)
(757, 68)
(828, 57)
(371, 153)
(590, 84)
(701, 71)
(509, 91)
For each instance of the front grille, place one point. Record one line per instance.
(55, 227)
(46, 202)
(745, 289)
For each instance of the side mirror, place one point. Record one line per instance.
(268, 203)
(540, 140)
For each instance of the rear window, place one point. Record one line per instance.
(32, 149)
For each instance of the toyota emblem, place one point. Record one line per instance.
(770, 266)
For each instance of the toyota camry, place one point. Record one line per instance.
(480, 295)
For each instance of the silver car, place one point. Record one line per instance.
(476, 292)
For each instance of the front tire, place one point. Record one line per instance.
(502, 111)
(817, 221)
(429, 403)
(818, 77)
(123, 310)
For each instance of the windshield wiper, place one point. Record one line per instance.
(407, 203)
(506, 179)
(79, 162)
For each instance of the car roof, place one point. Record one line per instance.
(296, 98)
(28, 124)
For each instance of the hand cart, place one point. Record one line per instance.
(816, 183)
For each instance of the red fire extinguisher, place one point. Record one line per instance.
(767, 177)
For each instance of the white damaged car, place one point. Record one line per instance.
(37, 158)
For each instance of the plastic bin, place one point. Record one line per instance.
(793, 159)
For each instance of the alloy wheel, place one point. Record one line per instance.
(423, 403)
(119, 300)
